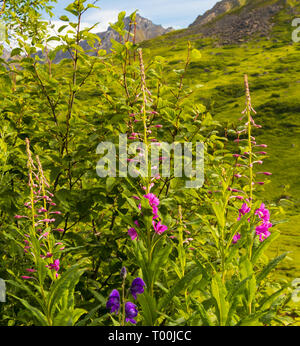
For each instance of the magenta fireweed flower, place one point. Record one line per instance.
(137, 287)
(263, 213)
(131, 312)
(54, 265)
(44, 235)
(153, 200)
(263, 230)
(244, 210)
(155, 212)
(26, 277)
(20, 217)
(236, 238)
(262, 145)
(113, 303)
(237, 197)
(42, 210)
(30, 270)
(133, 233)
(265, 173)
(261, 153)
(158, 227)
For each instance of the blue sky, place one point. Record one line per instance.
(175, 13)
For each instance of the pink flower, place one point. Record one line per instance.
(133, 233)
(21, 217)
(237, 197)
(153, 200)
(265, 173)
(158, 227)
(261, 153)
(44, 235)
(263, 230)
(42, 210)
(244, 210)
(27, 277)
(155, 212)
(236, 238)
(263, 213)
(54, 265)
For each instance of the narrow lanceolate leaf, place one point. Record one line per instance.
(219, 292)
(63, 289)
(40, 317)
(219, 212)
(148, 304)
(263, 247)
(266, 302)
(178, 287)
(206, 320)
(271, 265)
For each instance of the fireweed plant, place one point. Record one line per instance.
(42, 255)
(195, 256)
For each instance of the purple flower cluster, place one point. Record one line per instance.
(131, 311)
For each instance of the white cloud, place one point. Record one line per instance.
(104, 17)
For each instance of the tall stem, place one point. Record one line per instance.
(248, 112)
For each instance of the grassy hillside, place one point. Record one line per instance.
(274, 73)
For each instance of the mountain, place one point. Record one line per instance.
(145, 30)
(234, 21)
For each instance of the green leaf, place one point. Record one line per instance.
(64, 18)
(178, 287)
(271, 265)
(63, 289)
(219, 212)
(219, 292)
(40, 317)
(148, 305)
(263, 247)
